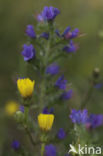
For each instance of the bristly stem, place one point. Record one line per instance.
(43, 83)
(30, 136)
(25, 125)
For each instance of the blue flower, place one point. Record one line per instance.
(98, 85)
(28, 52)
(46, 111)
(61, 133)
(95, 120)
(48, 14)
(45, 35)
(70, 48)
(30, 31)
(74, 33)
(15, 145)
(78, 116)
(61, 83)
(69, 35)
(50, 150)
(52, 69)
(66, 31)
(40, 18)
(67, 95)
(57, 33)
(21, 108)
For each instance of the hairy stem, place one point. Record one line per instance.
(30, 136)
(43, 83)
(26, 126)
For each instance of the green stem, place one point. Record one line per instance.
(88, 95)
(42, 96)
(30, 136)
(26, 114)
(42, 149)
(43, 86)
(43, 83)
(26, 126)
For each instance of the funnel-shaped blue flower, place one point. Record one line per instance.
(30, 31)
(52, 69)
(28, 52)
(48, 14)
(61, 83)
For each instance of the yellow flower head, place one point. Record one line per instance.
(25, 87)
(11, 107)
(45, 121)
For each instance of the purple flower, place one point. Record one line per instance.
(69, 35)
(50, 150)
(52, 69)
(95, 120)
(74, 33)
(98, 85)
(61, 83)
(15, 145)
(46, 111)
(67, 95)
(30, 31)
(21, 108)
(40, 18)
(45, 35)
(70, 48)
(28, 52)
(66, 31)
(78, 116)
(48, 14)
(57, 33)
(61, 133)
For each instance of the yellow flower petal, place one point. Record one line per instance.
(45, 121)
(25, 87)
(11, 107)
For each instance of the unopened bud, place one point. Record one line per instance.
(19, 116)
(96, 72)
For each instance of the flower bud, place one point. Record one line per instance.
(96, 72)
(45, 121)
(25, 87)
(19, 116)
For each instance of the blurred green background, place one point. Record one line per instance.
(87, 15)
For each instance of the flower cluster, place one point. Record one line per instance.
(82, 117)
(48, 14)
(78, 116)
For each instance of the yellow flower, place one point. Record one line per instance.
(25, 87)
(11, 107)
(45, 121)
